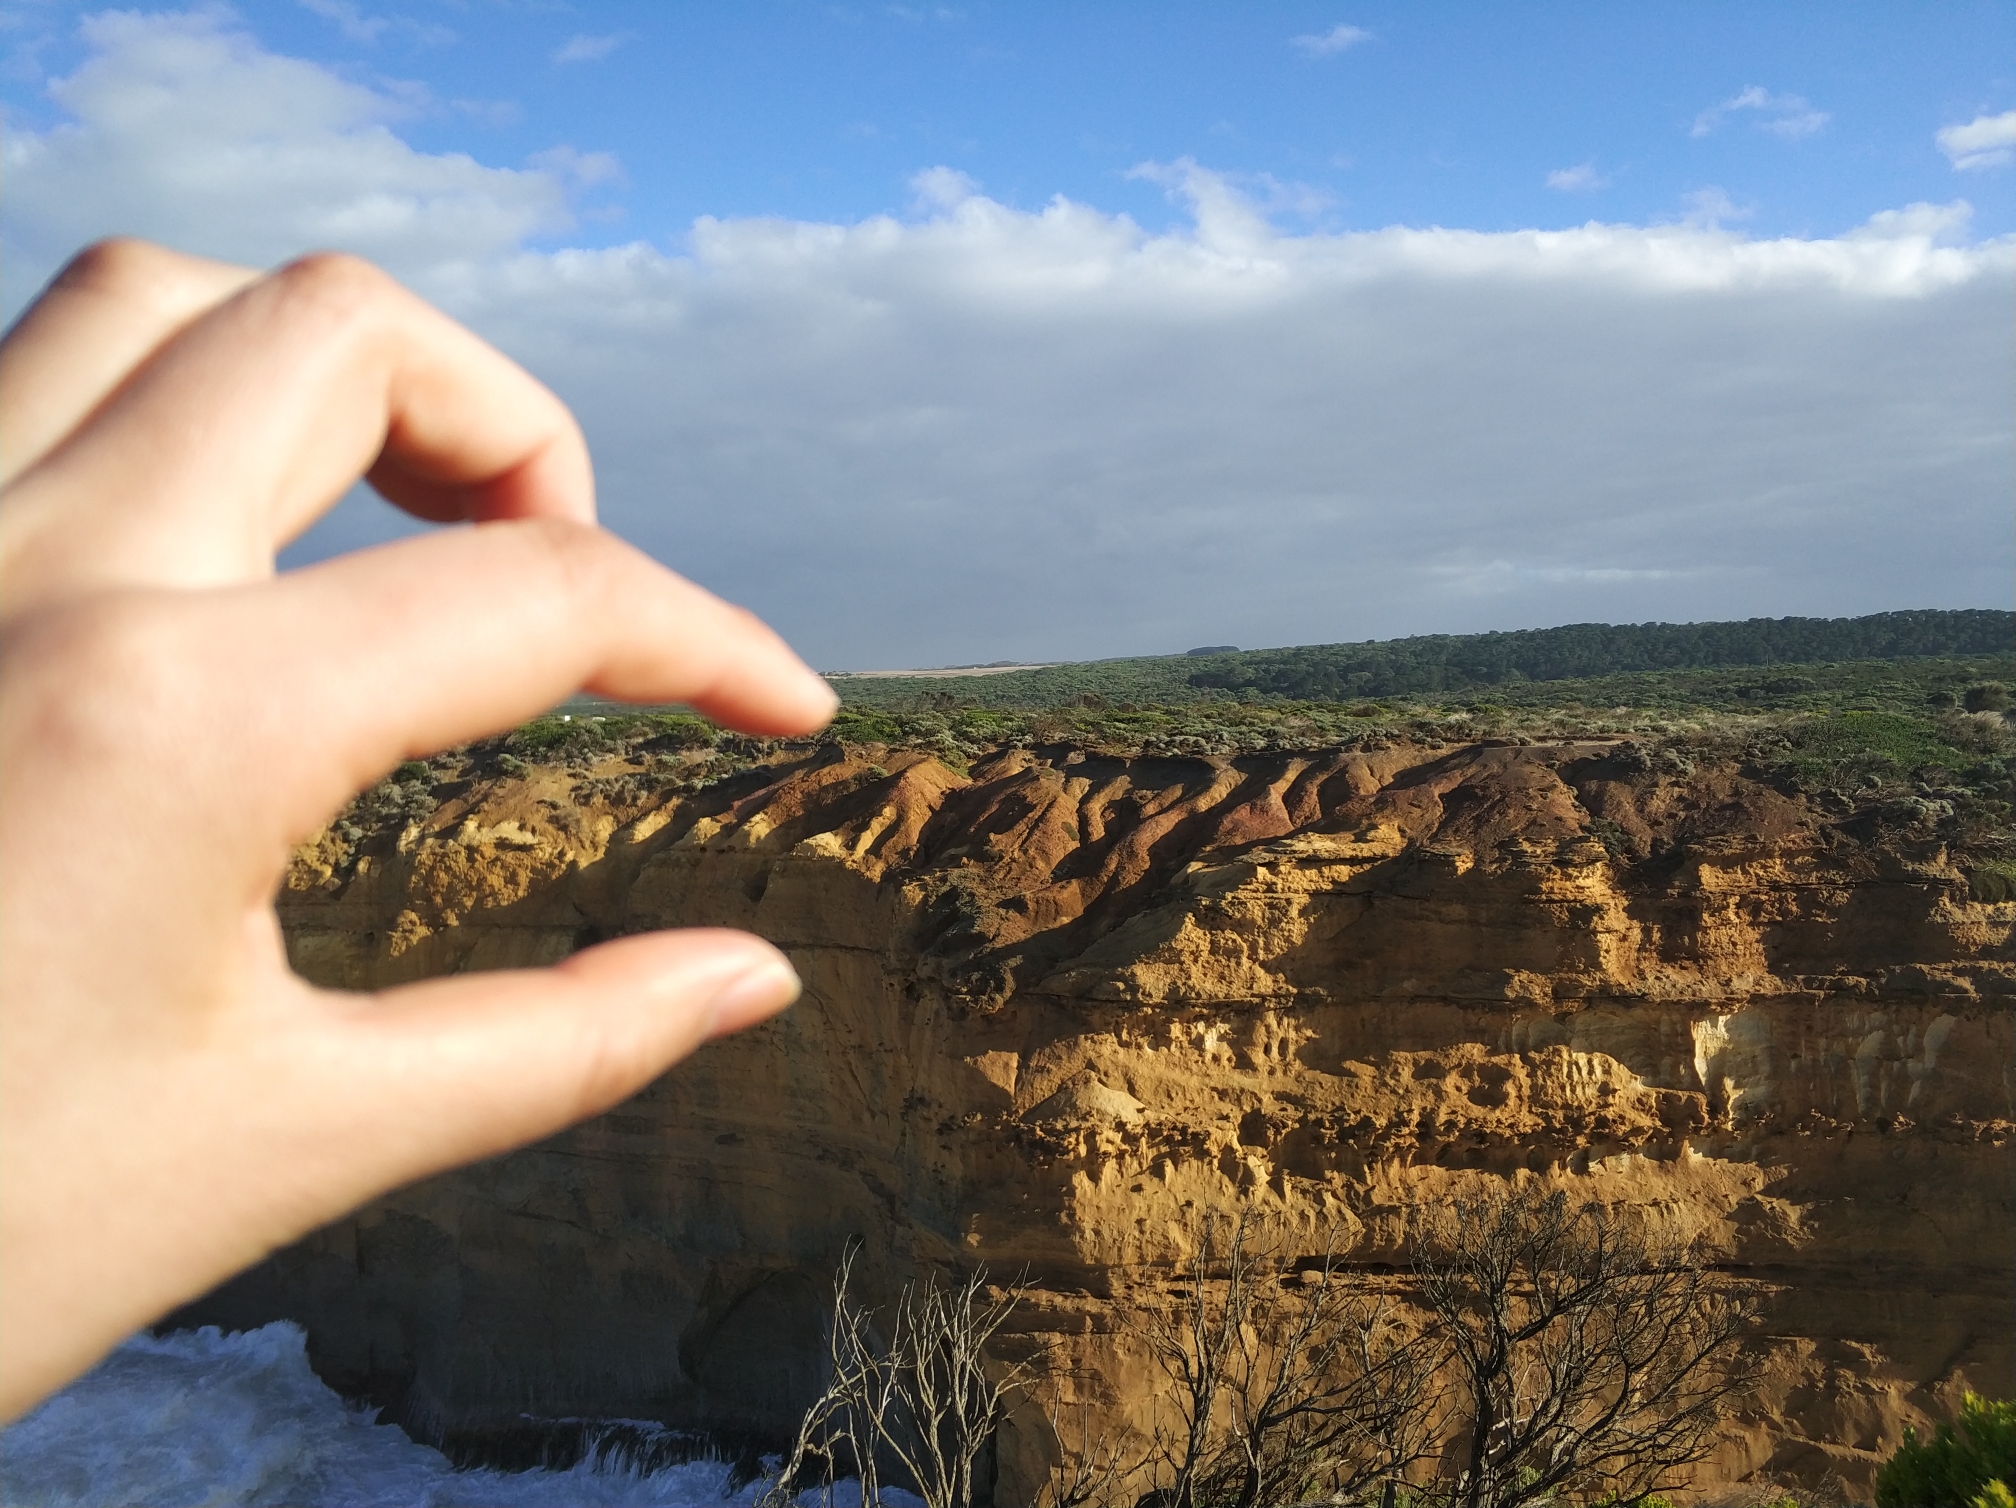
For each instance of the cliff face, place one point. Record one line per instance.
(1059, 1003)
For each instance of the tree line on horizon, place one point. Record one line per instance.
(1451, 662)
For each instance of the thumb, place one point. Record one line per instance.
(451, 1070)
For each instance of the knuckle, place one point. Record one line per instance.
(337, 281)
(118, 265)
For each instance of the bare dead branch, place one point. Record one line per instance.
(924, 1403)
(1286, 1385)
(1093, 1469)
(1592, 1358)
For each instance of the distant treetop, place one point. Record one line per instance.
(1448, 662)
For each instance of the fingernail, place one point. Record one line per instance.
(761, 990)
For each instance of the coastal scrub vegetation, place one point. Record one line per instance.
(1917, 748)
(1877, 769)
(1875, 719)
(1934, 683)
(1444, 662)
(1539, 1352)
(1970, 1461)
(1757, 660)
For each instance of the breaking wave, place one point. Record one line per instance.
(200, 1417)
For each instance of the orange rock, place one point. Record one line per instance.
(1057, 1004)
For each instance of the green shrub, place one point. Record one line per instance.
(675, 730)
(868, 727)
(1958, 1465)
(1854, 748)
(1986, 696)
(1992, 882)
(558, 735)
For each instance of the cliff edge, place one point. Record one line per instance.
(1059, 1001)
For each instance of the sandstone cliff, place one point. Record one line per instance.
(1058, 1002)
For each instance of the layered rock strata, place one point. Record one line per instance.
(1059, 1003)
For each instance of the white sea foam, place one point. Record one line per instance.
(199, 1417)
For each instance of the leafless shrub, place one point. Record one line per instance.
(1558, 1353)
(925, 1403)
(1094, 1468)
(1286, 1385)
(1592, 1358)
(818, 1451)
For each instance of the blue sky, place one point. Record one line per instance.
(1451, 114)
(945, 333)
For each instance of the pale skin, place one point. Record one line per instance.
(175, 1102)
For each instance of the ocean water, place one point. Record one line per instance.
(201, 1418)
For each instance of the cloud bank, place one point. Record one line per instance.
(986, 432)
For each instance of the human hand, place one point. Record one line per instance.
(174, 718)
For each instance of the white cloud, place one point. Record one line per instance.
(582, 169)
(1232, 209)
(1328, 43)
(990, 432)
(941, 188)
(1787, 115)
(1580, 179)
(583, 48)
(356, 26)
(1000, 433)
(348, 19)
(1753, 98)
(1708, 207)
(1986, 141)
(184, 129)
(1926, 224)
(1493, 578)
(1797, 123)
(495, 113)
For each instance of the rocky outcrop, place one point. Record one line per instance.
(1058, 1003)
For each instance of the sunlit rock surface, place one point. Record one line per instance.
(1059, 1002)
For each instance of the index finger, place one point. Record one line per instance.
(408, 648)
(259, 415)
(110, 308)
